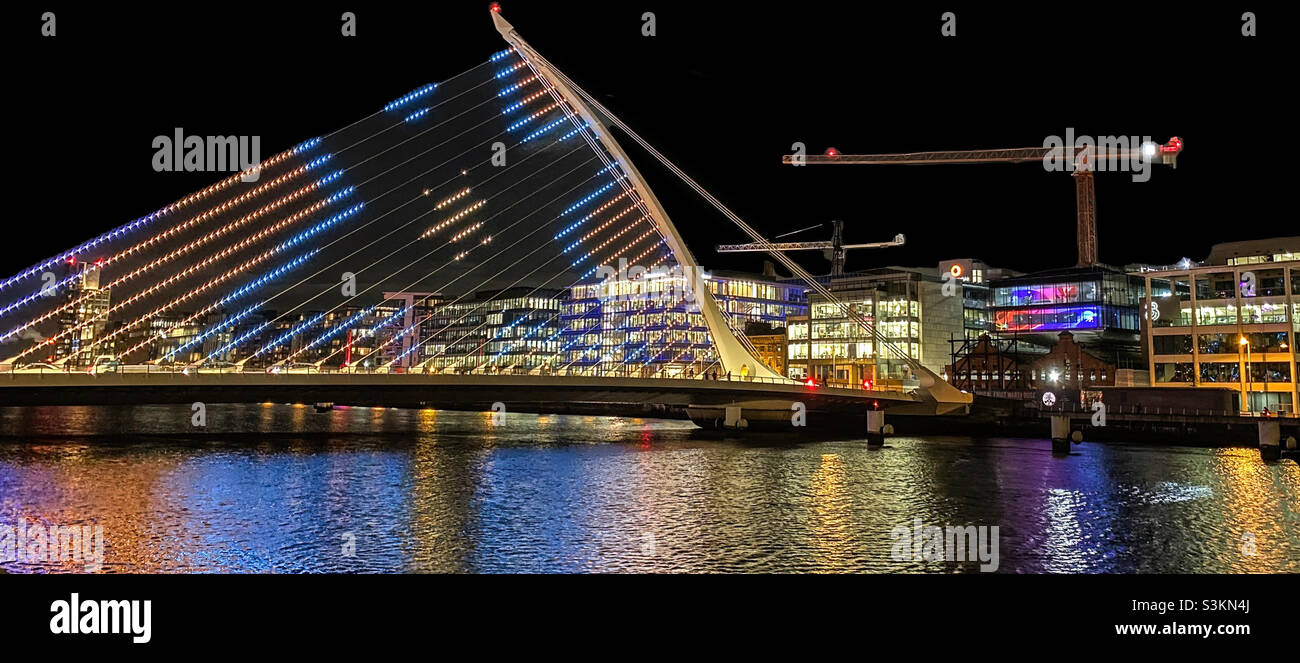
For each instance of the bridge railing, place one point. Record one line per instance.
(1164, 411)
(11, 370)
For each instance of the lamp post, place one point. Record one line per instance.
(1242, 342)
(1284, 348)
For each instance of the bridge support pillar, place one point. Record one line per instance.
(877, 428)
(733, 418)
(1060, 434)
(1270, 440)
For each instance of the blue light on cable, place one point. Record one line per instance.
(511, 69)
(329, 178)
(224, 324)
(269, 276)
(235, 343)
(411, 97)
(277, 341)
(574, 132)
(334, 331)
(515, 86)
(544, 129)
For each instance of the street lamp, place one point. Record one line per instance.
(1242, 342)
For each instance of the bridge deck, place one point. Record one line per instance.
(420, 390)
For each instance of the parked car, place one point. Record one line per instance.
(104, 364)
(217, 367)
(294, 367)
(38, 367)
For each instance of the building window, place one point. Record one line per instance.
(1167, 372)
(1177, 344)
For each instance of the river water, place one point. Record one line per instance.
(283, 489)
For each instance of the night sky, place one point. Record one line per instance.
(722, 89)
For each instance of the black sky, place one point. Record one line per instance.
(724, 90)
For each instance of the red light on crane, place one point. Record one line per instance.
(832, 152)
(495, 7)
(1175, 144)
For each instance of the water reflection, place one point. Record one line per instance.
(276, 488)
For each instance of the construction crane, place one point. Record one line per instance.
(834, 250)
(1081, 159)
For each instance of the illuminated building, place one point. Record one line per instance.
(1005, 364)
(401, 336)
(84, 318)
(1230, 322)
(348, 334)
(769, 345)
(283, 338)
(220, 345)
(910, 309)
(168, 334)
(493, 331)
(1098, 304)
(651, 327)
(976, 295)
(798, 346)
(750, 298)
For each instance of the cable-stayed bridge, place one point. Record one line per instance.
(483, 234)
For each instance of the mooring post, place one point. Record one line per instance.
(1270, 440)
(876, 428)
(1060, 434)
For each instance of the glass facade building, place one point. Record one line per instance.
(84, 321)
(1231, 325)
(1092, 300)
(908, 308)
(497, 331)
(652, 327)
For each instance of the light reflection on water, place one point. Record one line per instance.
(274, 488)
